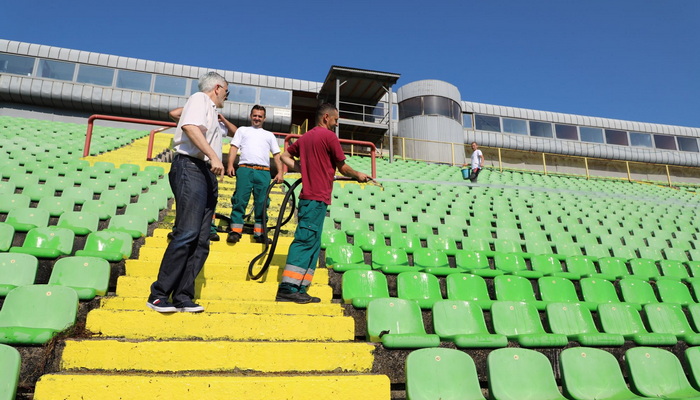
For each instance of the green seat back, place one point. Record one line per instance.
(386, 228)
(441, 374)
(16, 269)
(613, 266)
(390, 259)
(145, 210)
(623, 319)
(520, 321)
(468, 287)
(7, 234)
(56, 206)
(398, 323)
(674, 269)
(656, 372)
(89, 276)
(421, 287)
(514, 288)
(33, 314)
(692, 358)
(104, 209)
(135, 225)
(359, 287)
(673, 291)
(576, 322)
(637, 291)
(368, 240)
(463, 322)
(442, 243)
(644, 269)
(589, 373)
(47, 242)
(110, 245)
(10, 363)
(419, 229)
(25, 219)
(332, 236)
(596, 290)
(406, 241)
(80, 222)
(79, 194)
(517, 374)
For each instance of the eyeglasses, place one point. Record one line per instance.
(227, 92)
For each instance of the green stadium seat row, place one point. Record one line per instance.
(586, 373)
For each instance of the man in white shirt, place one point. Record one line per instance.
(253, 174)
(477, 162)
(193, 179)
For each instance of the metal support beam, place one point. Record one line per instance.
(391, 129)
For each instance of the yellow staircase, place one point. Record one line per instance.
(244, 346)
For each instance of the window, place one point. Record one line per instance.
(616, 137)
(170, 85)
(436, 105)
(410, 108)
(242, 94)
(194, 86)
(56, 70)
(518, 126)
(134, 80)
(95, 75)
(541, 129)
(665, 142)
(16, 64)
(639, 139)
(688, 144)
(456, 111)
(593, 135)
(467, 121)
(275, 97)
(566, 132)
(487, 123)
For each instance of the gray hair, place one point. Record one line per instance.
(208, 81)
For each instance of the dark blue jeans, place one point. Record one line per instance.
(196, 189)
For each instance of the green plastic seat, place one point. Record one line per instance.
(338, 214)
(585, 267)
(613, 266)
(566, 250)
(47, 242)
(507, 246)
(79, 194)
(10, 366)
(650, 253)
(576, 322)
(644, 269)
(98, 186)
(132, 188)
(398, 323)
(468, 287)
(670, 318)
(344, 257)
(423, 288)
(673, 291)
(516, 288)
(476, 244)
(359, 287)
(23, 180)
(371, 215)
(37, 192)
(475, 262)
(441, 374)
(333, 236)
(33, 314)
(520, 321)
(153, 197)
(433, 261)
(625, 252)
(135, 225)
(637, 291)
(119, 197)
(445, 244)
(593, 374)
(56, 206)
(623, 319)
(7, 235)
(25, 219)
(517, 374)
(455, 233)
(104, 209)
(352, 226)
(462, 322)
(676, 254)
(692, 358)
(89, 276)
(674, 269)
(16, 270)
(391, 260)
(514, 264)
(145, 210)
(7, 187)
(368, 240)
(81, 223)
(386, 228)
(110, 245)
(550, 265)
(554, 289)
(657, 373)
(406, 241)
(401, 218)
(597, 291)
(419, 229)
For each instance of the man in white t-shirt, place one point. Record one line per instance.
(193, 179)
(253, 174)
(477, 162)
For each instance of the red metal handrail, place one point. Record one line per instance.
(91, 123)
(373, 150)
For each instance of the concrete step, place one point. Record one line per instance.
(71, 386)
(217, 289)
(216, 356)
(232, 306)
(223, 269)
(148, 324)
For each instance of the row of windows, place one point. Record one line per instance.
(581, 133)
(132, 80)
(430, 105)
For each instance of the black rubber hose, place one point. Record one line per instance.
(280, 222)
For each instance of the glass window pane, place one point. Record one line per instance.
(437, 105)
(410, 108)
(275, 97)
(95, 75)
(593, 135)
(16, 64)
(640, 139)
(487, 123)
(194, 87)
(566, 132)
(467, 120)
(616, 137)
(665, 142)
(242, 94)
(541, 129)
(518, 126)
(134, 80)
(170, 85)
(456, 111)
(688, 144)
(56, 70)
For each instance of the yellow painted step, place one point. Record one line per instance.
(233, 306)
(209, 326)
(240, 256)
(246, 244)
(132, 286)
(212, 387)
(177, 356)
(221, 269)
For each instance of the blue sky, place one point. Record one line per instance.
(627, 59)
